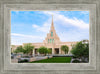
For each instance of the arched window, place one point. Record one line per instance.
(51, 34)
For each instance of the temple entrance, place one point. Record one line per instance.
(56, 50)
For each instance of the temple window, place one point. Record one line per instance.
(51, 34)
(48, 40)
(53, 40)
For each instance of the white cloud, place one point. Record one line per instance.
(73, 35)
(58, 18)
(44, 28)
(19, 39)
(35, 26)
(61, 20)
(22, 35)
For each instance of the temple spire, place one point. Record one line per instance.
(52, 37)
(52, 19)
(52, 25)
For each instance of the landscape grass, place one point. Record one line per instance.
(54, 60)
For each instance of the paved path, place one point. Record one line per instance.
(14, 60)
(40, 58)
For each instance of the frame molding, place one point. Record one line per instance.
(92, 67)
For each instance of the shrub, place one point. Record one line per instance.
(74, 57)
(75, 61)
(22, 61)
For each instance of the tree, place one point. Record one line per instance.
(18, 49)
(81, 50)
(65, 48)
(43, 50)
(49, 51)
(28, 48)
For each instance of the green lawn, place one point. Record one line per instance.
(54, 60)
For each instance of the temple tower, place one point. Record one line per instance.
(52, 37)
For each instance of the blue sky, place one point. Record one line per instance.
(33, 26)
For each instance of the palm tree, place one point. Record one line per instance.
(65, 48)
